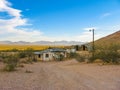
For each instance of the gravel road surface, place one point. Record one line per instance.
(66, 75)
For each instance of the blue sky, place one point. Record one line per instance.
(55, 20)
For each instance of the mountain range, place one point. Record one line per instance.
(112, 38)
(43, 43)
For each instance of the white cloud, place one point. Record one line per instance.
(5, 7)
(9, 28)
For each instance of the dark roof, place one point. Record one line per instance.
(50, 50)
(57, 50)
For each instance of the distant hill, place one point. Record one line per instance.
(110, 39)
(43, 43)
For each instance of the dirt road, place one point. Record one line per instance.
(67, 75)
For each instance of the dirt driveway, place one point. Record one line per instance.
(67, 75)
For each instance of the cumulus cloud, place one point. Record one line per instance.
(9, 28)
(5, 7)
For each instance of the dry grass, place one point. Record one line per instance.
(23, 47)
(113, 38)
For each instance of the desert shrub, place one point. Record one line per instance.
(3, 55)
(77, 56)
(34, 59)
(1, 59)
(72, 55)
(22, 54)
(80, 58)
(11, 63)
(108, 53)
(92, 57)
(29, 52)
(59, 57)
(28, 55)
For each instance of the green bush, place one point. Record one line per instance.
(29, 52)
(11, 63)
(72, 55)
(109, 53)
(77, 56)
(22, 54)
(3, 56)
(80, 58)
(28, 55)
(59, 57)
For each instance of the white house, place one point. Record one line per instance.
(71, 50)
(50, 54)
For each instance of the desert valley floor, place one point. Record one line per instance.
(66, 75)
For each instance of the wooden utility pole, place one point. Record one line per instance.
(93, 46)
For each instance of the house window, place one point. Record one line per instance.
(77, 47)
(39, 56)
(47, 55)
(84, 48)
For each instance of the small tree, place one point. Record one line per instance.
(22, 54)
(61, 57)
(78, 57)
(72, 55)
(11, 63)
(30, 55)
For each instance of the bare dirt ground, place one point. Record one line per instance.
(67, 75)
